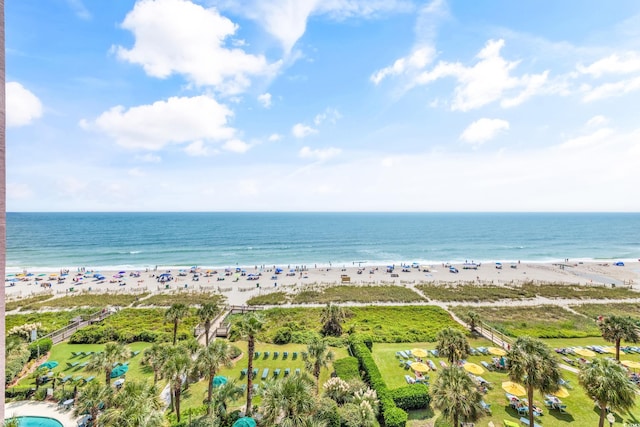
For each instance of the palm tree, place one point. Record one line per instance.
(154, 357)
(249, 327)
(474, 319)
(207, 313)
(332, 317)
(532, 364)
(455, 394)
(607, 382)
(452, 344)
(136, 405)
(617, 328)
(224, 394)
(174, 314)
(91, 399)
(209, 361)
(175, 369)
(318, 356)
(288, 402)
(104, 360)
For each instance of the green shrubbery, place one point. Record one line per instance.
(15, 361)
(412, 396)
(347, 368)
(39, 347)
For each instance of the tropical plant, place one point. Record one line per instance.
(532, 364)
(174, 314)
(452, 344)
(249, 326)
(12, 422)
(288, 402)
(207, 313)
(455, 394)
(332, 317)
(105, 360)
(318, 356)
(617, 328)
(93, 397)
(607, 383)
(474, 319)
(137, 404)
(176, 369)
(154, 357)
(221, 397)
(209, 361)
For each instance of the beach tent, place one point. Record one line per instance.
(278, 270)
(165, 277)
(119, 371)
(619, 264)
(245, 422)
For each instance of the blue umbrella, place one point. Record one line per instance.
(245, 422)
(50, 364)
(119, 371)
(218, 381)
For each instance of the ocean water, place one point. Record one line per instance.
(139, 240)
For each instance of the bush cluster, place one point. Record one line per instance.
(347, 368)
(15, 362)
(392, 416)
(39, 347)
(412, 396)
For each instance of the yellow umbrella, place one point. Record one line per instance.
(584, 352)
(513, 388)
(473, 368)
(497, 351)
(631, 364)
(610, 350)
(420, 367)
(561, 393)
(418, 352)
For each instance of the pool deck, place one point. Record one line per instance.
(40, 409)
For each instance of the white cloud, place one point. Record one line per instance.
(197, 149)
(265, 100)
(137, 172)
(236, 146)
(483, 130)
(79, 9)
(330, 114)
(286, 20)
(174, 121)
(416, 60)
(300, 130)
(23, 107)
(319, 154)
(275, 137)
(178, 36)
(597, 121)
(625, 63)
(149, 158)
(608, 90)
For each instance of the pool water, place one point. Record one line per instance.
(38, 422)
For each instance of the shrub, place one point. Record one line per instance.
(19, 393)
(336, 341)
(347, 368)
(282, 336)
(40, 347)
(413, 396)
(235, 351)
(15, 363)
(328, 411)
(395, 417)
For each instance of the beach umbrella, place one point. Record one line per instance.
(610, 350)
(513, 388)
(418, 352)
(245, 422)
(50, 364)
(561, 393)
(630, 364)
(119, 371)
(497, 351)
(420, 367)
(42, 274)
(584, 352)
(219, 380)
(473, 368)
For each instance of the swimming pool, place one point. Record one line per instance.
(38, 422)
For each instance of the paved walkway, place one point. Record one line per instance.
(40, 409)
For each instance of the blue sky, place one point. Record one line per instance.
(334, 105)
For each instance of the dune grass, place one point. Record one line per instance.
(272, 298)
(188, 298)
(27, 303)
(362, 294)
(49, 320)
(86, 299)
(592, 311)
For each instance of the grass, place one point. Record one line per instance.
(571, 291)
(539, 321)
(50, 320)
(26, 303)
(620, 309)
(86, 299)
(181, 297)
(273, 298)
(362, 294)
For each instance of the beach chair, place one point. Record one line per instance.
(135, 353)
(508, 423)
(255, 372)
(297, 371)
(265, 374)
(115, 364)
(398, 355)
(562, 408)
(285, 355)
(65, 379)
(78, 378)
(408, 379)
(89, 379)
(487, 365)
(72, 364)
(266, 354)
(88, 353)
(525, 421)
(255, 388)
(286, 372)
(243, 373)
(276, 372)
(83, 365)
(294, 356)
(256, 355)
(275, 355)
(76, 353)
(485, 406)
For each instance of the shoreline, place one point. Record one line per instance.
(239, 286)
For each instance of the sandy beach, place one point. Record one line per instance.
(241, 283)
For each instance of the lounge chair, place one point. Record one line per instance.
(83, 365)
(294, 356)
(78, 378)
(265, 373)
(65, 379)
(275, 355)
(525, 421)
(135, 353)
(487, 366)
(72, 364)
(276, 372)
(409, 380)
(266, 354)
(255, 372)
(285, 355)
(286, 372)
(76, 353)
(297, 371)
(508, 423)
(89, 379)
(304, 354)
(256, 355)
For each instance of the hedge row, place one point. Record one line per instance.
(412, 396)
(40, 347)
(392, 416)
(100, 334)
(347, 368)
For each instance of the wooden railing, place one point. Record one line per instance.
(64, 333)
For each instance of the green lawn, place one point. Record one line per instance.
(580, 407)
